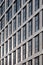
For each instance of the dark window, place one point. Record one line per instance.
(19, 19)
(24, 32)
(18, 4)
(8, 2)
(1, 1)
(9, 14)
(10, 44)
(2, 36)
(24, 14)
(14, 24)
(0, 25)
(24, 51)
(10, 59)
(30, 28)
(30, 8)
(24, 64)
(24, 1)
(3, 21)
(42, 17)
(15, 7)
(14, 57)
(37, 61)
(0, 10)
(2, 61)
(3, 8)
(19, 54)
(2, 50)
(7, 17)
(14, 41)
(30, 48)
(36, 43)
(37, 4)
(37, 22)
(30, 62)
(6, 47)
(10, 28)
(6, 32)
(19, 36)
(6, 60)
(42, 1)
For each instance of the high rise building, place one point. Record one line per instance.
(21, 32)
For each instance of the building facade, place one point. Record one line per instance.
(21, 32)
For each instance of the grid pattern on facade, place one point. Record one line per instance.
(21, 32)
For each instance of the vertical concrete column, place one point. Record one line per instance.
(17, 22)
(8, 30)
(1, 51)
(33, 25)
(21, 17)
(5, 9)
(27, 30)
(1, 62)
(33, 40)
(12, 10)
(26, 63)
(33, 46)
(33, 62)
(40, 59)
(40, 41)
(21, 53)
(27, 11)
(4, 49)
(4, 61)
(8, 46)
(21, 34)
(8, 60)
(12, 42)
(22, 2)
(40, 19)
(12, 26)
(16, 39)
(40, 3)
(12, 16)
(27, 50)
(12, 58)
(4, 35)
(16, 56)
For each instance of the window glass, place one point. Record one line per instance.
(24, 14)
(30, 28)
(10, 44)
(37, 22)
(36, 43)
(30, 8)
(14, 41)
(24, 51)
(30, 48)
(24, 32)
(19, 54)
(19, 36)
(19, 19)
(37, 4)
(14, 57)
